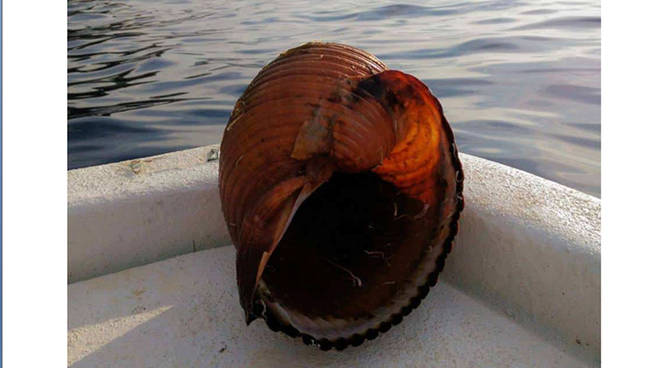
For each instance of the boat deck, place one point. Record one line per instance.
(183, 312)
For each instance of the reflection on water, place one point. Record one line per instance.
(519, 80)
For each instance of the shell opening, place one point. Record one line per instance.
(350, 248)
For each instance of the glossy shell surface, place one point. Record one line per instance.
(341, 187)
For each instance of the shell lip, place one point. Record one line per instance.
(355, 340)
(275, 324)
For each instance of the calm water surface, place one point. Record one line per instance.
(519, 81)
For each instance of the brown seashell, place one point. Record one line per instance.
(341, 187)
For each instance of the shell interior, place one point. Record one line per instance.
(353, 260)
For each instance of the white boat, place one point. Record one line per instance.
(152, 277)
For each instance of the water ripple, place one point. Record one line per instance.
(565, 23)
(574, 93)
(380, 13)
(107, 110)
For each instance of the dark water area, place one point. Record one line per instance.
(519, 80)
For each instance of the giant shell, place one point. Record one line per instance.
(341, 187)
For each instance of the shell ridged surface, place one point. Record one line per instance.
(341, 188)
